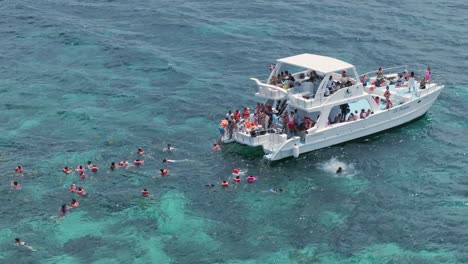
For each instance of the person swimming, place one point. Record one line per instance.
(145, 193)
(19, 169)
(141, 151)
(94, 168)
(64, 210)
(235, 171)
(89, 164)
(19, 242)
(113, 166)
(225, 183)
(251, 178)
(339, 170)
(67, 170)
(80, 168)
(164, 171)
(123, 163)
(169, 148)
(216, 146)
(277, 191)
(74, 203)
(72, 188)
(210, 185)
(82, 175)
(16, 185)
(237, 179)
(166, 160)
(138, 162)
(81, 191)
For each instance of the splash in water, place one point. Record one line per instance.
(332, 165)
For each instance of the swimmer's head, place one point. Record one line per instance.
(15, 183)
(339, 170)
(80, 189)
(73, 201)
(89, 162)
(140, 149)
(237, 177)
(162, 170)
(17, 240)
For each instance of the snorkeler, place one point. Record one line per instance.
(113, 166)
(94, 168)
(74, 203)
(138, 162)
(81, 191)
(164, 172)
(80, 168)
(72, 188)
(339, 170)
(64, 210)
(15, 185)
(168, 148)
(216, 146)
(141, 151)
(166, 160)
(19, 169)
(145, 193)
(237, 179)
(277, 191)
(251, 178)
(210, 185)
(67, 170)
(19, 242)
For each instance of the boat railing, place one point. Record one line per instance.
(269, 91)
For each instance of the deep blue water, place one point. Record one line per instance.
(94, 80)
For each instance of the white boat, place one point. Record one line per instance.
(316, 106)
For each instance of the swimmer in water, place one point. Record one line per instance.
(64, 210)
(237, 179)
(15, 185)
(164, 172)
(235, 172)
(113, 166)
(145, 193)
(19, 169)
(82, 175)
(89, 164)
(67, 170)
(19, 242)
(81, 191)
(80, 168)
(251, 178)
(123, 163)
(277, 191)
(169, 148)
(216, 146)
(166, 160)
(225, 183)
(141, 151)
(138, 162)
(74, 203)
(94, 168)
(72, 188)
(339, 170)
(210, 185)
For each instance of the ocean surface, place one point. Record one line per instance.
(95, 80)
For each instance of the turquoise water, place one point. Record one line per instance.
(94, 80)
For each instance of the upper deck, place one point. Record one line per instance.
(318, 81)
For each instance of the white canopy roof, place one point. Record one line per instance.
(318, 63)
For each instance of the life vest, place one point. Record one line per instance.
(248, 125)
(235, 171)
(138, 162)
(164, 172)
(80, 169)
(225, 183)
(237, 115)
(65, 170)
(75, 204)
(251, 179)
(82, 175)
(144, 193)
(72, 189)
(94, 169)
(19, 169)
(224, 123)
(81, 192)
(237, 179)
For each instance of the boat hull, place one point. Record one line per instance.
(343, 132)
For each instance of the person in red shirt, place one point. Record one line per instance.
(245, 113)
(145, 193)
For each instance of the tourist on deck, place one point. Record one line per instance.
(377, 100)
(351, 117)
(237, 115)
(344, 79)
(380, 77)
(400, 81)
(368, 113)
(428, 75)
(406, 75)
(338, 119)
(246, 113)
(387, 93)
(229, 115)
(344, 111)
(362, 115)
(389, 104)
(329, 87)
(291, 121)
(231, 125)
(422, 83)
(412, 82)
(274, 119)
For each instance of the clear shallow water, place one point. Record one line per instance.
(93, 80)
